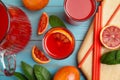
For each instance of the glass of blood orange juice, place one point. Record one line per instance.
(78, 11)
(59, 43)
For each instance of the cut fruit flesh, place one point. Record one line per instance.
(43, 23)
(110, 37)
(39, 56)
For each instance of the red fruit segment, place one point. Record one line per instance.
(110, 37)
(43, 23)
(61, 37)
(38, 56)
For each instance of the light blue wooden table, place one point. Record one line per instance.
(55, 7)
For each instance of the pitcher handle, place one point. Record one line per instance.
(8, 63)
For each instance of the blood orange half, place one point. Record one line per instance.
(38, 56)
(110, 37)
(43, 23)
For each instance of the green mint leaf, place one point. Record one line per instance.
(28, 71)
(19, 76)
(111, 58)
(56, 21)
(41, 73)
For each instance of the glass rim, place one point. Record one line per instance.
(8, 27)
(46, 50)
(80, 20)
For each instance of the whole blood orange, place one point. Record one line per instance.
(35, 4)
(110, 37)
(67, 73)
(43, 23)
(38, 56)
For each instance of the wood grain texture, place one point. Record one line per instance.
(108, 72)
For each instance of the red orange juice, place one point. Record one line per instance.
(15, 32)
(15, 28)
(59, 43)
(78, 11)
(3, 21)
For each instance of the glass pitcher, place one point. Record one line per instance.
(15, 32)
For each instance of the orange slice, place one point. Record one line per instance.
(35, 4)
(62, 37)
(43, 23)
(38, 56)
(110, 37)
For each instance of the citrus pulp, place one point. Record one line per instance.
(110, 37)
(38, 56)
(43, 23)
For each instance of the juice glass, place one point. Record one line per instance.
(15, 31)
(59, 43)
(77, 11)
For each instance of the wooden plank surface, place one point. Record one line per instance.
(55, 7)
